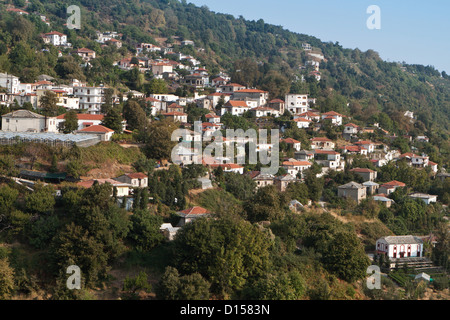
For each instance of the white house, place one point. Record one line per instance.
(335, 117)
(259, 112)
(56, 38)
(84, 120)
(91, 98)
(302, 122)
(396, 247)
(10, 82)
(27, 121)
(351, 128)
(260, 97)
(236, 108)
(123, 189)
(176, 116)
(296, 145)
(322, 143)
(369, 145)
(136, 179)
(102, 132)
(146, 47)
(229, 167)
(427, 198)
(294, 167)
(296, 103)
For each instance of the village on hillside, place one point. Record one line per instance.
(327, 161)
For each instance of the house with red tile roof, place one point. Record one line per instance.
(191, 214)
(176, 116)
(18, 11)
(355, 150)
(365, 173)
(259, 112)
(55, 38)
(259, 97)
(231, 88)
(136, 179)
(103, 132)
(336, 118)
(302, 122)
(391, 186)
(351, 128)
(84, 120)
(369, 145)
(322, 143)
(228, 167)
(277, 104)
(123, 189)
(308, 115)
(296, 145)
(294, 167)
(235, 107)
(85, 53)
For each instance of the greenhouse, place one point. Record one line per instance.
(52, 139)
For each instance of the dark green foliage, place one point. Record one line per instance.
(346, 258)
(41, 200)
(267, 204)
(241, 186)
(227, 252)
(113, 120)
(70, 123)
(132, 286)
(144, 231)
(172, 286)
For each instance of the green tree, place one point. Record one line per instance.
(226, 252)
(74, 246)
(8, 197)
(156, 86)
(42, 200)
(132, 286)
(167, 287)
(267, 204)
(145, 231)
(70, 123)
(48, 103)
(158, 140)
(135, 116)
(193, 287)
(6, 279)
(346, 258)
(113, 120)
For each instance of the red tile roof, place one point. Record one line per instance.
(276, 101)
(362, 170)
(236, 103)
(321, 139)
(394, 183)
(332, 113)
(84, 116)
(297, 163)
(302, 120)
(137, 175)
(251, 91)
(97, 128)
(195, 211)
(290, 140)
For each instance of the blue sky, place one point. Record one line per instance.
(417, 32)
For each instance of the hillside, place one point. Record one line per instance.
(352, 81)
